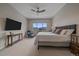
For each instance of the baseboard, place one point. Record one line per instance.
(55, 46)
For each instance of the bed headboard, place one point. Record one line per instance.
(68, 27)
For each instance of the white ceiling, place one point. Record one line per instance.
(25, 9)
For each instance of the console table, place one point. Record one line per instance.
(11, 36)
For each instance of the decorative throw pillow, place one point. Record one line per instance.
(69, 31)
(63, 32)
(58, 31)
(54, 30)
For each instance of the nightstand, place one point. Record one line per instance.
(74, 44)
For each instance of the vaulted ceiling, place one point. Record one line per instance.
(25, 9)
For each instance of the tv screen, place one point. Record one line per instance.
(12, 24)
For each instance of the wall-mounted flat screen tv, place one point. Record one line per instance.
(12, 24)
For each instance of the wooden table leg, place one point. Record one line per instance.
(11, 40)
(8, 41)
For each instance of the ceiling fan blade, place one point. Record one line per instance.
(33, 10)
(41, 11)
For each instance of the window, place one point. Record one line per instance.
(40, 25)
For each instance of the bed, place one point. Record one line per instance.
(52, 39)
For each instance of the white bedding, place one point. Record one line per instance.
(51, 37)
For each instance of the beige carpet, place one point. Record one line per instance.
(51, 51)
(27, 48)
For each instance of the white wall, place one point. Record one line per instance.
(8, 11)
(69, 14)
(31, 21)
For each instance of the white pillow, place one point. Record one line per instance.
(57, 31)
(69, 31)
(53, 29)
(63, 32)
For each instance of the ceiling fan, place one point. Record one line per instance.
(38, 10)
